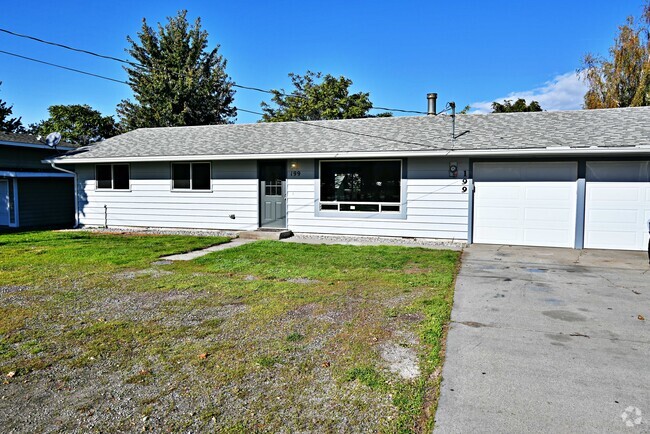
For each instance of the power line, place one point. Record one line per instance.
(138, 65)
(67, 47)
(239, 109)
(63, 67)
(354, 132)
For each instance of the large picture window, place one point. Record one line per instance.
(112, 176)
(191, 176)
(361, 186)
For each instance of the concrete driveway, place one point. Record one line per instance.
(548, 340)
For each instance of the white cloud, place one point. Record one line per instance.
(564, 92)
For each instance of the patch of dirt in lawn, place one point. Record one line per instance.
(13, 288)
(400, 354)
(303, 281)
(153, 272)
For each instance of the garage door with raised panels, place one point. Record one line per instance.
(617, 205)
(529, 204)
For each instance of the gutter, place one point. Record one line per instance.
(76, 196)
(561, 151)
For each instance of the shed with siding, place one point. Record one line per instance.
(32, 193)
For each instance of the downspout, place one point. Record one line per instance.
(76, 196)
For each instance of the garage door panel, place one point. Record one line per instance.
(553, 218)
(619, 193)
(534, 213)
(608, 239)
(502, 213)
(506, 193)
(617, 214)
(550, 236)
(606, 216)
(548, 193)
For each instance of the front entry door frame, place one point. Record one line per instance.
(273, 191)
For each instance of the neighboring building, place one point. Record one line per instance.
(33, 194)
(567, 179)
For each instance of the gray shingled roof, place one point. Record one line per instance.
(609, 128)
(29, 139)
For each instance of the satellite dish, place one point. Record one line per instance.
(53, 139)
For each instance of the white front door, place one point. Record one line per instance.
(528, 204)
(4, 202)
(617, 205)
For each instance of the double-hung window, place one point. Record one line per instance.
(361, 186)
(112, 176)
(191, 176)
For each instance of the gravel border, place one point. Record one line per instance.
(362, 240)
(155, 231)
(306, 238)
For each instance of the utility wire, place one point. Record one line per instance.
(63, 67)
(239, 109)
(137, 65)
(356, 133)
(67, 47)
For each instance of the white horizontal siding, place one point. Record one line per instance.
(435, 205)
(151, 202)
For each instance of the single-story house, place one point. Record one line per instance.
(577, 179)
(32, 193)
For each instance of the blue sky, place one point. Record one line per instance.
(470, 52)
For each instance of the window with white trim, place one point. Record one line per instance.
(112, 177)
(361, 186)
(191, 176)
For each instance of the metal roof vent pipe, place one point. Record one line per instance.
(431, 106)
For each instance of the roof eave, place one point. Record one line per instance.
(322, 155)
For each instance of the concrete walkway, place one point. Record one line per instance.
(548, 340)
(198, 253)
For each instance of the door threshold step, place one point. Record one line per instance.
(265, 234)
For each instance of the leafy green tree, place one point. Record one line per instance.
(622, 80)
(518, 106)
(179, 82)
(79, 124)
(313, 100)
(7, 123)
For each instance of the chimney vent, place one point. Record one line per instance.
(431, 106)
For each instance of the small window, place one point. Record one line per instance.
(112, 176)
(191, 176)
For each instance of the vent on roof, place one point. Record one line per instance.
(431, 106)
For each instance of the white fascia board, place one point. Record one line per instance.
(12, 174)
(34, 145)
(322, 155)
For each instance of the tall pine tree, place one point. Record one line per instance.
(176, 80)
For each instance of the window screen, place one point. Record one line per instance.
(103, 176)
(181, 175)
(191, 176)
(120, 176)
(201, 176)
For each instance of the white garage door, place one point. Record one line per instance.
(530, 204)
(617, 205)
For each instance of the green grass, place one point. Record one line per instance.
(238, 335)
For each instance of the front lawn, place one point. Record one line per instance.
(98, 334)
